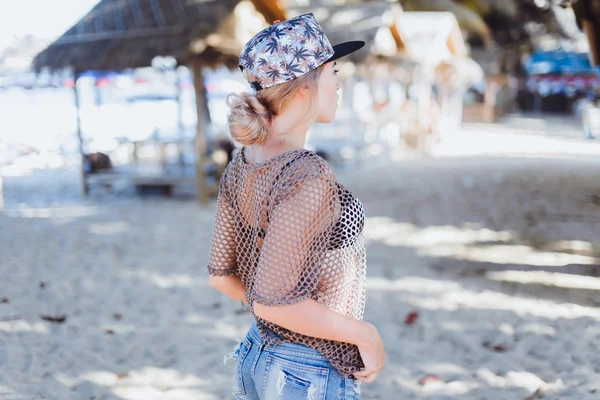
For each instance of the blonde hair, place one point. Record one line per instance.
(250, 115)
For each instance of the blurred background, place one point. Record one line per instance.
(468, 128)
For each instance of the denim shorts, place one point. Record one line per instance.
(287, 371)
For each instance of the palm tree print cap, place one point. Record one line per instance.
(289, 49)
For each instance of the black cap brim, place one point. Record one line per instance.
(343, 49)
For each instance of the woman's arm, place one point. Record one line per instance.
(310, 318)
(231, 285)
(307, 317)
(222, 266)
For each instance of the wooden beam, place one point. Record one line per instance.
(84, 182)
(1, 192)
(456, 42)
(201, 102)
(589, 28)
(400, 45)
(271, 10)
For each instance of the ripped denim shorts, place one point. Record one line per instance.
(287, 371)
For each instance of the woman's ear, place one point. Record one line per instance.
(304, 91)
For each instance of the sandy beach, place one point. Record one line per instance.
(483, 279)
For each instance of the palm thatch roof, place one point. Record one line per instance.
(122, 34)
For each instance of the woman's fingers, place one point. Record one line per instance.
(366, 375)
(361, 374)
(367, 379)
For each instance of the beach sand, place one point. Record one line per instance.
(496, 257)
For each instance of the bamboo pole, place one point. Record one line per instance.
(84, 182)
(200, 91)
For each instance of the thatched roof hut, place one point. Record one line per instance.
(127, 34)
(122, 34)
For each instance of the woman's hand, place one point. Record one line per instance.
(311, 318)
(372, 354)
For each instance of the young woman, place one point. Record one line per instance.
(288, 238)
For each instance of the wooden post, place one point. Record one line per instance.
(1, 185)
(424, 108)
(589, 28)
(180, 126)
(1, 192)
(201, 103)
(84, 181)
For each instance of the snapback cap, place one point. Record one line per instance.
(289, 49)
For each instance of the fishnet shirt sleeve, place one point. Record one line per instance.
(222, 261)
(290, 263)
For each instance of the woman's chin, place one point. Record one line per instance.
(325, 119)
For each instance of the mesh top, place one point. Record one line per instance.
(290, 231)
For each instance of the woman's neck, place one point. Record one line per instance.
(273, 148)
(288, 132)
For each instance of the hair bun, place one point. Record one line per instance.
(249, 119)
